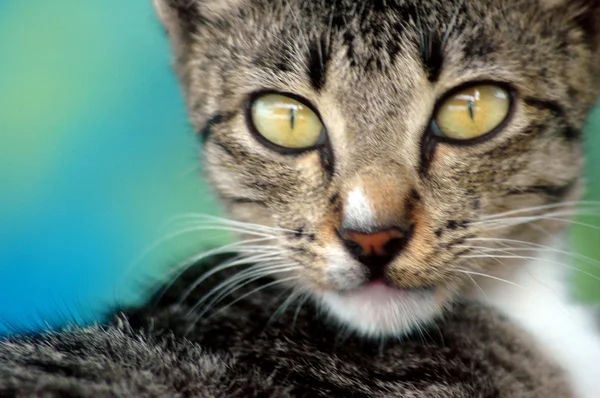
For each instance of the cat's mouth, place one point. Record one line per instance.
(379, 293)
(376, 292)
(381, 285)
(378, 308)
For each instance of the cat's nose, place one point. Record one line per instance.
(381, 243)
(375, 249)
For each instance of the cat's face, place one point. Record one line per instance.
(381, 137)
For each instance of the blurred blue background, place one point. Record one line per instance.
(97, 156)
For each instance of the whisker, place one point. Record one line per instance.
(174, 235)
(255, 270)
(540, 229)
(536, 247)
(487, 276)
(301, 302)
(476, 284)
(542, 207)
(295, 293)
(573, 222)
(521, 221)
(228, 264)
(225, 221)
(183, 266)
(273, 283)
(533, 259)
(232, 284)
(481, 252)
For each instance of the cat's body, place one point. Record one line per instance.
(540, 302)
(244, 351)
(385, 159)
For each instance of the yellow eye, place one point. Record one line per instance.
(473, 112)
(286, 122)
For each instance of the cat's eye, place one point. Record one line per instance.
(472, 112)
(286, 122)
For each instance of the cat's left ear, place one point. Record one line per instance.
(183, 18)
(179, 17)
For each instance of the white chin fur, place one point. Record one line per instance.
(380, 311)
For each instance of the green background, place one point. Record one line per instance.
(96, 156)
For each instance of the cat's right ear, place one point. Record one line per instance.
(589, 20)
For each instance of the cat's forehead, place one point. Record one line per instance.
(394, 38)
(376, 57)
(377, 53)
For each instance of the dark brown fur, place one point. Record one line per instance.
(243, 351)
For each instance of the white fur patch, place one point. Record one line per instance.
(379, 311)
(342, 269)
(358, 211)
(565, 329)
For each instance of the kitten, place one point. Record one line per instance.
(395, 157)
(408, 152)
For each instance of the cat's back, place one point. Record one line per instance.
(163, 349)
(471, 352)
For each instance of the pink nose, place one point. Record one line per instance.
(374, 244)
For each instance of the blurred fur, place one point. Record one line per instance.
(241, 351)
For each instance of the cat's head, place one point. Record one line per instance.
(390, 144)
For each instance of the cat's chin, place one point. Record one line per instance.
(380, 310)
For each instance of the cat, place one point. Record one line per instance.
(393, 158)
(408, 152)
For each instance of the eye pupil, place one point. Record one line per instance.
(292, 116)
(470, 106)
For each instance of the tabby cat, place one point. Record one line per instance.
(387, 162)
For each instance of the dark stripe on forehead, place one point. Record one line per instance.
(318, 58)
(432, 55)
(570, 132)
(430, 45)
